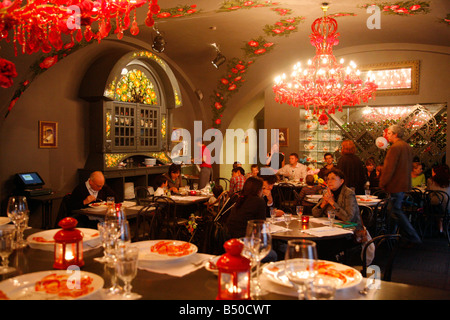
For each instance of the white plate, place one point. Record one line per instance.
(44, 240)
(211, 265)
(98, 206)
(4, 220)
(24, 287)
(352, 277)
(145, 253)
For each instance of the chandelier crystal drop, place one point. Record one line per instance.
(323, 83)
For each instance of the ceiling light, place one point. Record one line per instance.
(219, 59)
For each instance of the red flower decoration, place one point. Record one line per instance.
(259, 51)
(217, 105)
(7, 73)
(218, 121)
(323, 119)
(224, 81)
(48, 62)
(415, 7)
(253, 43)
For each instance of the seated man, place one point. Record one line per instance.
(294, 170)
(237, 180)
(92, 190)
(328, 157)
(268, 182)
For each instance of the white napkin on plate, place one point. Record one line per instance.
(176, 268)
(326, 231)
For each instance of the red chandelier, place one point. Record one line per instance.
(41, 25)
(324, 83)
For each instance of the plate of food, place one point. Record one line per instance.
(98, 205)
(51, 285)
(346, 276)
(165, 250)
(44, 240)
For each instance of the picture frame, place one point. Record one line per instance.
(48, 134)
(283, 137)
(410, 68)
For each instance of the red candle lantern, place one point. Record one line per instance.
(68, 245)
(234, 273)
(305, 219)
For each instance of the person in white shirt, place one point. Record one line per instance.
(161, 184)
(294, 170)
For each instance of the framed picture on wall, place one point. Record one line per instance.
(176, 135)
(283, 136)
(48, 134)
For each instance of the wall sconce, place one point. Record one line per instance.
(219, 59)
(158, 42)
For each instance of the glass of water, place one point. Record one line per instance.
(126, 269)
(331, 215)
(6, 248)
(321, 288)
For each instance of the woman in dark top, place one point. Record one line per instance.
(173, 177)
(249, 206)
(353, 168)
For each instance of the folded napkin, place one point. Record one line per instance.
(326, 231)
(275, 228)
(176, 268)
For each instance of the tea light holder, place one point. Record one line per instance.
(68, 245)
(305, 219)
(234, 273)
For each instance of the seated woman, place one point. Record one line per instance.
(440, 180)
(310, 188)
(173, 177)
(340, 198)
(249, 206)
(417, 175)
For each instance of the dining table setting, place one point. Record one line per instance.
(70, 263)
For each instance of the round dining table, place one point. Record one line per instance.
(201, 284)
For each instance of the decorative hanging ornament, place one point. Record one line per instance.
(323, 83)
(381, 143)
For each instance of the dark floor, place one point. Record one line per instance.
(427, 265)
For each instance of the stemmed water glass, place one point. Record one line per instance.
(6, 248)
(287, 219)
(126, 268)
(259, 229)
(17, 211)
(300, 268)
(299, 211)
(331, 215)
(273, 214)
(251, 251)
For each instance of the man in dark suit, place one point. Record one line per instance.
(92, 190)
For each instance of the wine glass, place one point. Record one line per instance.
(126, 269)
(259, 229)
(250, 251)
(300, 259)
(195, 186)
(113, 232)
(273, 214)
(124, 237)
(331, 215)
(287, 219)
(299, 211)
(17, 211)
(6, 248)
(104, 237)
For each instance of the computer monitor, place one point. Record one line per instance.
(30, 179)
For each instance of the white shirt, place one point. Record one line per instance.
(298, 172)
(90, 190)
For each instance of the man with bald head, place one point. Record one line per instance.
(92, 190)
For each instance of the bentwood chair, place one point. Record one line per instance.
(142, 195)
(286, 199)
(224, 182)
(381, 218)
(386, 248)
(435, 211)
